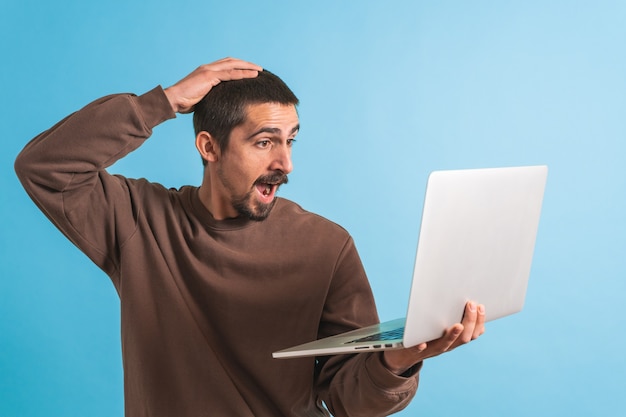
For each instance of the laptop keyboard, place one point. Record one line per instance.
(388, 335)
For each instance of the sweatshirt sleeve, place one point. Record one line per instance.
(359, 384)
(63, 170)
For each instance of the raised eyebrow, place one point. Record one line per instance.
(274, 131)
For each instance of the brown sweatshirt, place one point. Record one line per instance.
(204, 303)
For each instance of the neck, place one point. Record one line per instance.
(215, 201)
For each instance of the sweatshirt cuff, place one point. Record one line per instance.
(384, 378)
(155, 107)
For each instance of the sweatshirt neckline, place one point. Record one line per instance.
(209, 221)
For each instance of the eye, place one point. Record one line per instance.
(263, 143)
(290, 142)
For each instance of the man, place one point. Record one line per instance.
(213, 279)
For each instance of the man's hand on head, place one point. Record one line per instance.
(471, 327)
(184, 95)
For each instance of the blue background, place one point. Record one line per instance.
(390, 91)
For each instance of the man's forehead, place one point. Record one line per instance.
(270, 112)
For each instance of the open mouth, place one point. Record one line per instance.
(267, 191)
(268, 185)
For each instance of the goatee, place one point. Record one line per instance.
(247, 206)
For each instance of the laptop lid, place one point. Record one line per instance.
(476, 242)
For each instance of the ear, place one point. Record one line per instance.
(207, 146)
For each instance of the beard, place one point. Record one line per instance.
(254, 210)
(247, 205)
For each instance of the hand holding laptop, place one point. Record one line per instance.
(470, 328)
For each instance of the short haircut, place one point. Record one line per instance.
(224, 107)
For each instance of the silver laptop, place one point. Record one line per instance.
(476, 242)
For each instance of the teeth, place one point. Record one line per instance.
(268, 190)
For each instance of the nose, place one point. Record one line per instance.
(281, 159)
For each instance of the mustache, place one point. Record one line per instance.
(277, 178)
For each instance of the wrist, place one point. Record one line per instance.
(389, 363)
(171, 97)
(402, 371)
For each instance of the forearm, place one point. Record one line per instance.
(89, 140)
(362, 385)
(357, 384)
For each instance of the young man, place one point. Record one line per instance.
(213, 279)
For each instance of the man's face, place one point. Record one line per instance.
(257, 160)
